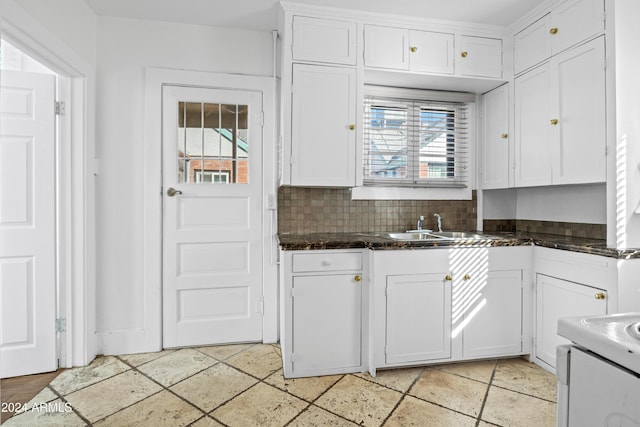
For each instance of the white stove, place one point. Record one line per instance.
(599, 375)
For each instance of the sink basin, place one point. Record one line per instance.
(413, 236)
(615, 337)
(462, 235)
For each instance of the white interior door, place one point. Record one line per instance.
(212, 216)
(27, 224)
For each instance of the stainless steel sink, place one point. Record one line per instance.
(413, 236)
(462, 235)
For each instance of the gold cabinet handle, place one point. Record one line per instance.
(448, 278)
(554, 31)
(464, 54)
(466, 277)
(504, 136)
(553, 121)
(413, 48)
(352, 127)
(358, 278)
(600, 295)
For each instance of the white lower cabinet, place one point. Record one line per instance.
(449, 304)
(418, 327)
(568, 284)
(322, 300)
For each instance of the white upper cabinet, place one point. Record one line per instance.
(560, 119)
(404, 49)
(496, 138)
(479, 57)
(432, 52)
(323, 117)
(574, 21)
(531, 45)
(568, 24)
(324, 40)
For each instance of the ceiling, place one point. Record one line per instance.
(262, 15)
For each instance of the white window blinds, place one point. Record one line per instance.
(417, 143)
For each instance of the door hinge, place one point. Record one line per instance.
(261, 306)
(59, 108)
(61, 324)
(262, 118)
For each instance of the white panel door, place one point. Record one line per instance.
(431, 52)
(212, 232)
(495, 144)
(479, 56)
(27, 224)
(386, 47)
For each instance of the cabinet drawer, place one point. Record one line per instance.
(325, 261)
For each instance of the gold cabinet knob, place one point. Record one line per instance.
(504, 136)
(553, 121)
(352, 127)
(358, 278)
(413, 48)
(466, 277)
(448, 278)
(554, 30)
(600, 295)
(464, 54)
(171, 192)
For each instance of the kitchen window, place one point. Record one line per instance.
(416, 138)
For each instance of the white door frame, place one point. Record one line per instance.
(150, 338)
(75, 186)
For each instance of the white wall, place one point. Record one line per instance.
(125, 48)
(575, 203)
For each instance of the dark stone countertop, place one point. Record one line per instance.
(379, 241)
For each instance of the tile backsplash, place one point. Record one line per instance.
(304, 210)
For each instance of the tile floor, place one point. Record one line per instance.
(242, 385)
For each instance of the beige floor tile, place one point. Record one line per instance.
(305, 388)
(46, 395)
(525, 377)
(105, 398)
(213, 386)
(74, 379)
(397, 379)
(479, 371)
(207, 422)
(141, 358)
(222, 352)
(451, 391)
(160, 410)
(416, 412)
(56, 414)
(260, 360)
(359, 400)
(262, 405)
(318, 417)
(177, 366)
(508, 408)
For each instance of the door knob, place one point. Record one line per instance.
(172, 192)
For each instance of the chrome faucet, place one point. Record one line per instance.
(439, 219)
(420, 221)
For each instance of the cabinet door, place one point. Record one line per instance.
(574, 21)
(386, 47)
(431, 52)
(418, 318)
(323, 136)
(579, 157)
(557, 298)
(531, 45)
(479, 57)
(492, 315)
(495, 141)
(324, 40)
(533, 131)
(327, 323)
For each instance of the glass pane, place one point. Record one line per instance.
(388, 143)
(437, 141)
(213, 143)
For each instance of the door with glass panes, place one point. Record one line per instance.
(212, 224)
